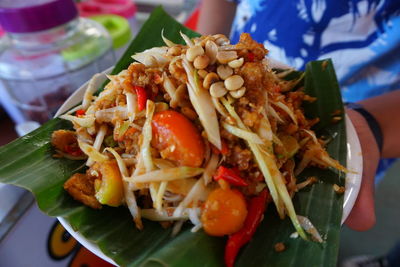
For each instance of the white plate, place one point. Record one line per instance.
(353, 180)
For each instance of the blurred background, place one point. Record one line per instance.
(42, 63)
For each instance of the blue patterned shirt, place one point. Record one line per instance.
(362, 37)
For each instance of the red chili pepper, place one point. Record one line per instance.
(80, 112)
(250, 57)
(230, 176)
(141, 97)
(255, 211)
(73, 150)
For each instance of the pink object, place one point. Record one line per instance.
(124, 8)
(1, 32)
(36, 15)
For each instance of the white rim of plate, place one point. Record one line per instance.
(353, 180)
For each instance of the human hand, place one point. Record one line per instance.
(362, 216)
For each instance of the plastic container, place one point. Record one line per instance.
(119, 30)
(46, 54)
(123, 8)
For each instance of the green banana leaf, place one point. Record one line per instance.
(28, 163)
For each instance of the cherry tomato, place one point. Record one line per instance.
(224, 212)
(177, 138)
(109, 189)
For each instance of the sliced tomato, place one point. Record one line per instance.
(109, 189)
(177, 138)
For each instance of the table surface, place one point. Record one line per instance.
(10, 195)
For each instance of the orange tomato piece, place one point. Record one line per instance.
(224, 212)
(109, 189)
(177, 138)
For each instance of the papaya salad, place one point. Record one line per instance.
(204, 132)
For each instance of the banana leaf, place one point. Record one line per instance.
(27, 162)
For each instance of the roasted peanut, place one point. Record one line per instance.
(217, 89)
(193, 52)
(234, 82)
(237, 63)
(224, 71)
(238, 93)
(224, 57)
(202, 73)
(210, 78)
(221, 39)
(201, 62)
(218, 35)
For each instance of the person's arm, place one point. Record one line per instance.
(386, 110)
(216, 16)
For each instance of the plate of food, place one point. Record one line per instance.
(178, 157)
(354, 160)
